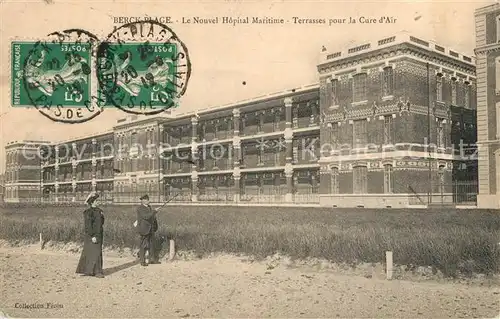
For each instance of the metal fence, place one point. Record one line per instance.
(460, 193)
(457, 193)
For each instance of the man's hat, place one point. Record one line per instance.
(91, 198)
(146, 197)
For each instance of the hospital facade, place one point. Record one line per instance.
(390, 123)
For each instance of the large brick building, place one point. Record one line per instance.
(488, 104)
(395, 110)
(358, 138)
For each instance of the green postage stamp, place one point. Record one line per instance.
(72, 75)
(50, 74)
(142, 75)
(145, 75)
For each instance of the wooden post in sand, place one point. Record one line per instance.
(388, 262)
(172, 250)
(41, 241)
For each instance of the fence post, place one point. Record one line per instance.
(41, 241)
(388, 262)
(172, 250)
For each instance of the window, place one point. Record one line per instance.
(467, 95)
(441, 178)
(388, 129)
(334, 186)
(388, 182)
(439, 88)
(277, 119)
(334, 135)
(260, 121)
(360, 179)
(360, 134)
(335, 92)
(295, 153)
(441, 134)
(133, 138)
(260, 153)
(388, 81)
(359, 88)
(454, 84)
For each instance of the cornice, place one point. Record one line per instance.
(489, 48)
(397, 52)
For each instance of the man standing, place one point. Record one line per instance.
(147, 225)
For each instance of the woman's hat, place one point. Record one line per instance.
(146, 197)
(91, 198)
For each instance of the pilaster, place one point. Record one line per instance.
(94, 147)
(288, 133)
(236, 138)
(74, 166)
(237, 178)
(56, 163)
(194, 186)
(289, 182)
(94, 167)
(56, 191)
(73, 189)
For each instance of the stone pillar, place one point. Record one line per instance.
(288, 133)
(56, 163)
(41, 183)
(194, 186)
(194, 128)
(236, 155)
(237, 178)
(295, 117)
(194, 144)
(94, 147)
(73, 189)
(161, 188)
(159, 153)
(289, 182)
(56, 188)
(94, 167)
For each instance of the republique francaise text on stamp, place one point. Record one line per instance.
(71, 76)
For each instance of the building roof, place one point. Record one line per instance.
(388, 41)
(487, 9)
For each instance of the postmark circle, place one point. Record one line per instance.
(58, 76)
(152, 67)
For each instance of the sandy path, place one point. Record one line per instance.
(222, 287)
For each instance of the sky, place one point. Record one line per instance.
(268, 58)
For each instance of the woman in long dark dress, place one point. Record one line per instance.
(91, 259)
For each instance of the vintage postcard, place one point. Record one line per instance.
(326, 159)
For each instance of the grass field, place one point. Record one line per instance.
(452, 241)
